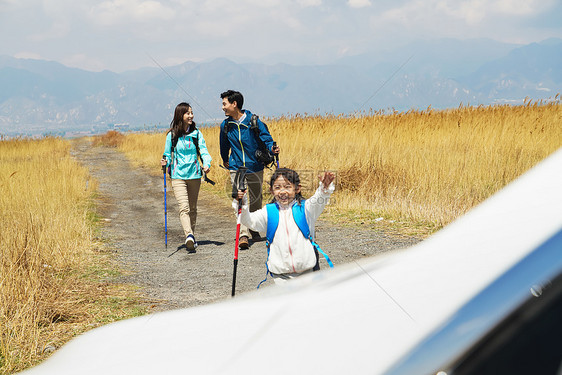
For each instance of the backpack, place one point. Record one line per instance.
(262, 154)
(300, 219)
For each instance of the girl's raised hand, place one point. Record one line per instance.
(327, 178)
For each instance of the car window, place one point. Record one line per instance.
(529, 341)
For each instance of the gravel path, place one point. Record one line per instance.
(132, 203)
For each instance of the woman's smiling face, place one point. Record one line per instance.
(188, 117)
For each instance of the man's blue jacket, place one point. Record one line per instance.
(238, 143)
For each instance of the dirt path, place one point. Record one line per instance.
(132, 204)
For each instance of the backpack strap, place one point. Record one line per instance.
(172, 152)
(300, 219)
(272, 221)
(174, 141)
(196, 143)
(256, 129)
(254, 124)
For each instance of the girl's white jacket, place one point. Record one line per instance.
(290, 251)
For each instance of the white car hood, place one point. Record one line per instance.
(359, 318)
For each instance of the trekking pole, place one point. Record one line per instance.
(238, 184)
(276, 155)
(165, 208)
(236, 247)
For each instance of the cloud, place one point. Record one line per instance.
(57, 30)
(28, 55)
(358, 3)
(116, 12)
(6, 4)
(293, 23)
(475, 11)
(455, 18)
(521, 7)
(309, 3)
(249, 4)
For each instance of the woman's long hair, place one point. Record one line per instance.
(176, 126)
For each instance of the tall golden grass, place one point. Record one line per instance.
(49, 290)
(419, 168)
(425, 167)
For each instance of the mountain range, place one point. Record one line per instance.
(38, 96)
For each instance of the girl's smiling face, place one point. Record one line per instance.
(284, 191)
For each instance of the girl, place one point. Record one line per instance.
(291, 253)
(184, 142)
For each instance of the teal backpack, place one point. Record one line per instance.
(300, 220)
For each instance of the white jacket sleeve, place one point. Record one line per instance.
(314, 205)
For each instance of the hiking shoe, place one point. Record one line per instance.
(190, 243)
(243, 243)
(256, 237)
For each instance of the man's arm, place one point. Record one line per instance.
(265, 136)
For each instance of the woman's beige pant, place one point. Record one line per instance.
(187, 192)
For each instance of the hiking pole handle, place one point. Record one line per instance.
(207, 179)
(238, 183)
(164, 167)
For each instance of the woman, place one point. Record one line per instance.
(184, 142)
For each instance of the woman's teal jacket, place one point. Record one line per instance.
(185, 164)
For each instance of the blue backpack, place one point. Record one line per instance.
(300, 220)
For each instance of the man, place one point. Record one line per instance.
(238, 145)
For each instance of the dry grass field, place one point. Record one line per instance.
(52, 272)
(416, 170)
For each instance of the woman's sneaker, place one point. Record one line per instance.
(190, 243)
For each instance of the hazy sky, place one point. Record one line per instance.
(124, 34)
